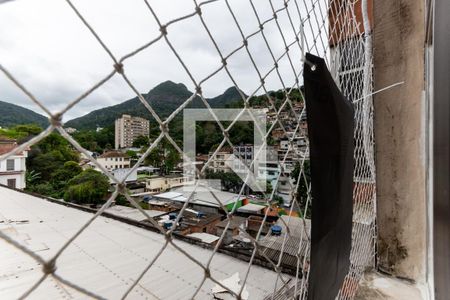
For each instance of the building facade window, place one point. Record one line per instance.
(11, 183)
(10, 164)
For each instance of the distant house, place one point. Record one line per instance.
(158, 184)
(13, 169)
(233, 228)
(252, 208)
(165, 206)
(200, 161)
(203, 199)
(191, 222)
(147, 170)
(218, 162)
(285, 188)
(114, 160)
(299, 146)
(204, 237)
(256, 224)
(70, 130)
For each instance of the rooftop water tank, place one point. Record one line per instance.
(276, 229)
(167, 225)
(172, 216)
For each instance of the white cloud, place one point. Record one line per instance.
(50, 51)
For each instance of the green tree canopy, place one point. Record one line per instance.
(21, 133)
(62, 176)
(163, 156)
(141, 141)
(88, 187)
(302, 191)
(49, 155)
(95, 141)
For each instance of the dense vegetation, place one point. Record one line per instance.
(88, 187)
(164, 156)
(53, 169)
(53, 164)
(12, 115)
(302, 191)
(20, 133)
(96, 141)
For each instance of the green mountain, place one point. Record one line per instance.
(11, 115)
(231, 95)
(164, 99)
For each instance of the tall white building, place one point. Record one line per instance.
(128, 128)
(12, 170)
(245, 155)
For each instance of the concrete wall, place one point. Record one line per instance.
(400, 136)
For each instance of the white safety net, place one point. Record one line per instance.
(338, 31)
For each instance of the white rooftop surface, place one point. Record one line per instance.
(203, 196)
(251, 207)
(106, 258)
(133, 213)
(204, 237)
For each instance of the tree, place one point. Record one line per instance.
(154, 158)
(21, 133)
(141, 141)
(163, 156)
(42, 189)
(61, 177)
(95, 141)
(29, 129)
(302, 191)
(31, 177)
(269, 188)
(132, 154)
(230, 181)
(88, 187)
(171, 159)
(49, 155)
(278, 199)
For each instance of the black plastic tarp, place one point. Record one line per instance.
(330, 130)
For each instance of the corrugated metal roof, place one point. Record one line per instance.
(168, 195)
(106, 257)
(289, 242)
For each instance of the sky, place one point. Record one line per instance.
(48, 49)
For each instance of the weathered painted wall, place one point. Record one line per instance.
(400, 136)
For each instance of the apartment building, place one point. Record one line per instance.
(128, 128)
(218, 162)
(245, 154)
(12, 170)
